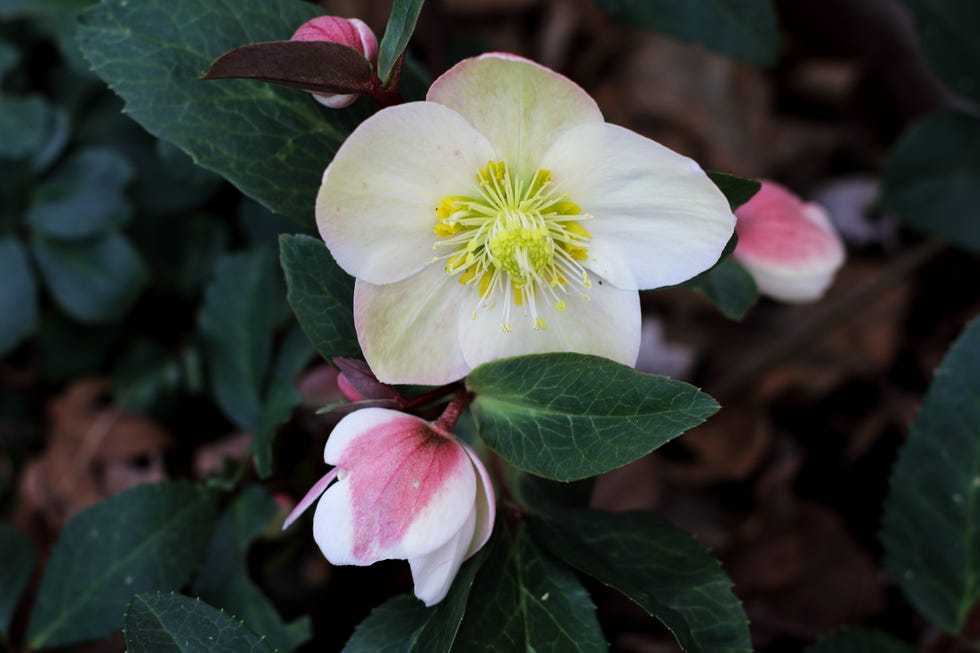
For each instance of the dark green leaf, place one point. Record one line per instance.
(278, 406)
(224, 581)
(18, 295)
(17, 553)
(404, 625)
(947, 29)
(182, 252)
(728, 286)
(658, 566)
(743, 29)
(237, 328)
(23, 122)
(856, 640)
(9, 58)
(523, 600)
(147, 377)
(309, 65)
(931, 527)
(151, 537)
(170, 623)
(932, 180)
(569, 416)
(83, 197)
(321, 295)
(272, 143)
(737, 190)
(401, 25)
(93, 280)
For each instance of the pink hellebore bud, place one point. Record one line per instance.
(788, 246)
(353, 33)
(406, 489)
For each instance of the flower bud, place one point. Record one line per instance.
(789, 247)
(353, 33)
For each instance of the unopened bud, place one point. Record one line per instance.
(353, 33)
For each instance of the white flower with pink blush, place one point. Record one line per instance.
(401, 488)
(789, 247)
(352, 32)
(503, 216)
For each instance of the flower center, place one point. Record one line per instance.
(519, 239)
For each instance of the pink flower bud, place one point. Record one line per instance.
(405, 489)
(353, 33)
(788, 246)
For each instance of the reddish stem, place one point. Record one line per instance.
(447, 421)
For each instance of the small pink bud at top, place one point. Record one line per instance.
(789, 247)
(352, 32)
(349, 391)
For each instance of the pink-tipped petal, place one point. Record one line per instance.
(408, 490)
(318, 488)
(520, 106)
(352, 32)
(433, 573)
(790, 247)
(486, 505)
(376, 209)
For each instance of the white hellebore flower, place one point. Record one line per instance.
(405, 489)
(503, 216)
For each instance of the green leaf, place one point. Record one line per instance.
(743, 29)
(282, 398)
(237, 327)
(932, 180)
(146, 377)
(320, 294)
(17, 553)
(151, 537)
(404, 625)
(224, 581)
(170, 623)
(93, 280)
(728, 286)
(737, 190)
(182, 252)
(523, 600)
(83, 197)
(947, 29)
(401, 26)
(9, 58)
(657, 565)
(23, 123)
(18, 295)
(272, 143)
(931, 527)
(569, 416)
(857, 640)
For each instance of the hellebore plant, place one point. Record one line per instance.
(352, 32)
(502, 217)
(402, 488)
(789, 247)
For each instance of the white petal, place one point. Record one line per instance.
(376, 207)
(434, 573)
(608, 325)
(519, 105)
(658, 219)
(407, 330)
(486, 505)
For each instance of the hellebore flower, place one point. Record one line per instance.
(788, 246)
(405, 489)
(503, 216)
(352, 32)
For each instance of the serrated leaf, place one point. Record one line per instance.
(737, 190)
(401, 26)
(224, 581)
(83, 197)
(237, 328)
(17, 553)
(151, 537)
(404, 625)
(272, 143)
(93, 280)
(657, 565)
(857, 640)
(320, 294)
(728, 286)
(170, 623)
(570, 416)
(932, 180)
(947, 30)
(931, 526)
(523, 600)
(18, 295)
(743, 29)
